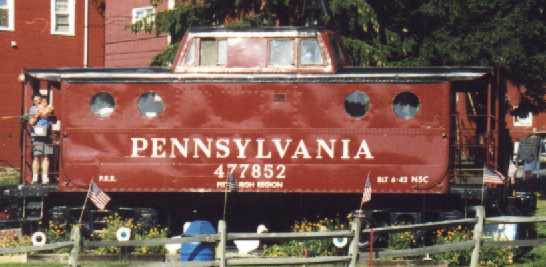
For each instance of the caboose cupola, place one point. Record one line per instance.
(265, 50)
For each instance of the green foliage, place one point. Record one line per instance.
(57, 232)
(317, 247)
(402, 240)
(9, 176)
(450, 235)
(501, 33)
(113, 223)
(138, 232)
(489, 256)
(10, 241)
(154, 232)
(166, 56)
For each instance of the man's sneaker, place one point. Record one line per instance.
(45, 180)
(34, 180)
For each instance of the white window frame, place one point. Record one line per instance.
(11, 17)
(71, 19)
(136, 9)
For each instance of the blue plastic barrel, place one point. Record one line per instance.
(198, 251)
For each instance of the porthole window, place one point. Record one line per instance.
(406, 105)
(102, 105)
(150, 104)
(357, 104)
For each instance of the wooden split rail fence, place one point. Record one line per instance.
(351, 258)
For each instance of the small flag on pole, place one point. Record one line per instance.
(232, 183)
(367, 194)
(97, 196)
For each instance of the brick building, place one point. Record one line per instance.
(42, 34)
(125, 48)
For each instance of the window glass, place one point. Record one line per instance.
(190, 55)
(222, 52)
(280, 53)
(213, 52)
(357, 104)
(6, 14)
(61, 13)
(406, 105)
(102, 104)
(150, 104)
(62, 20)
(141, 13)
(310, 52)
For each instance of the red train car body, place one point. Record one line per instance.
(278, 111)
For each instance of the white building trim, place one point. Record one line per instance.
(71, 12)
(11, 17)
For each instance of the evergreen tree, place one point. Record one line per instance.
(509, 34)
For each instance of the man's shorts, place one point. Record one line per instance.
(41, 149)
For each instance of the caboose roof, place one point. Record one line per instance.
(255, 32)
(346, 75)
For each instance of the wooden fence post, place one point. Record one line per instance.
(353, 248)
(478, 229)
(75, 236)
(222, 243)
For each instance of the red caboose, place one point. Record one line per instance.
(279, 111)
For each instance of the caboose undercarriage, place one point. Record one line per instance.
(30, 207)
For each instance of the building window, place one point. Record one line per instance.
(7, 15)
(141, 13)
(63, 17)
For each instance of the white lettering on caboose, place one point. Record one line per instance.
(159, 147)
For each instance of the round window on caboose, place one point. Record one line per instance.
(102, 104)
(150, 105)
(357, 104)
(406, 105)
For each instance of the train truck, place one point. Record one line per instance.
(280, 113)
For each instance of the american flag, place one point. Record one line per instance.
(232, 183)
(367, 194)
(97, 196)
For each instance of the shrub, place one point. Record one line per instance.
(12, 240)
(113, 223)
(138, 232)
(489, 256)
(154, 232)
(402, 240)
(9, 176)
(57, 232)
(450, 235)
(317, 247)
